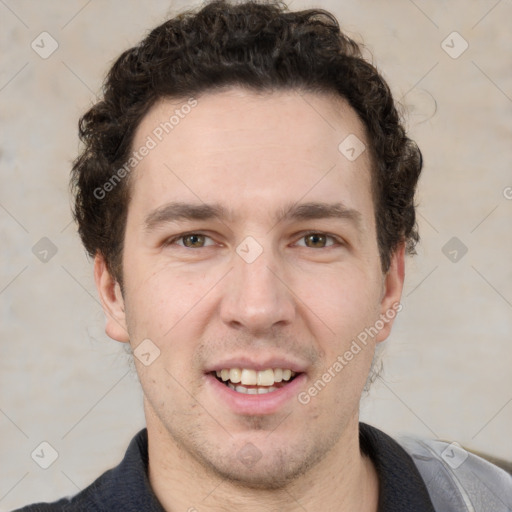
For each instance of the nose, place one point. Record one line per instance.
(256, 296)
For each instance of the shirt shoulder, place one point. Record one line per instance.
(124, 488)
(71, 504)
(457, 480)
(85, 501)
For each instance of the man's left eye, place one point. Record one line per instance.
(193, 240)
(317, 240)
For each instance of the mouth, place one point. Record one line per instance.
(255, 382)
(254, 386)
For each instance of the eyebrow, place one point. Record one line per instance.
(180, 211)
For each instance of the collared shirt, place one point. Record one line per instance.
(126, 487)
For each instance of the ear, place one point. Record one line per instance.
(392, 292)
(111, 300)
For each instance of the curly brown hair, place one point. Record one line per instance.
(261, 46)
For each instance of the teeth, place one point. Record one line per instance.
(235, 375)
(248, 377)
(251, 391)
(265, 378)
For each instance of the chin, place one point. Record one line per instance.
(273, 469)
(274, 476)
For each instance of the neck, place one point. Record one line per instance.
(343, 481)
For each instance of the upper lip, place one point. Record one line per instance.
(258, 363)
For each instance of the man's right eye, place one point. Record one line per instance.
(189, 240)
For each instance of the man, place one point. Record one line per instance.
(247, 192)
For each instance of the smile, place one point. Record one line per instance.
(252, 382)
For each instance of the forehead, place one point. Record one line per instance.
(250, 150)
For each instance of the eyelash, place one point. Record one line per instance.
(336, 240)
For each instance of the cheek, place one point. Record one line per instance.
(161, 300)
(161, 309)
(346, 299)
(348, 306)
(171, 309)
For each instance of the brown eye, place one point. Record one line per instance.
(316, 240)
(193, 240)
(189, 241)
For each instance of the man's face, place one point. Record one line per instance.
(247, 292)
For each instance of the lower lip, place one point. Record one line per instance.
(267, 403)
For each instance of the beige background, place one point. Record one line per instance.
(448, 362)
